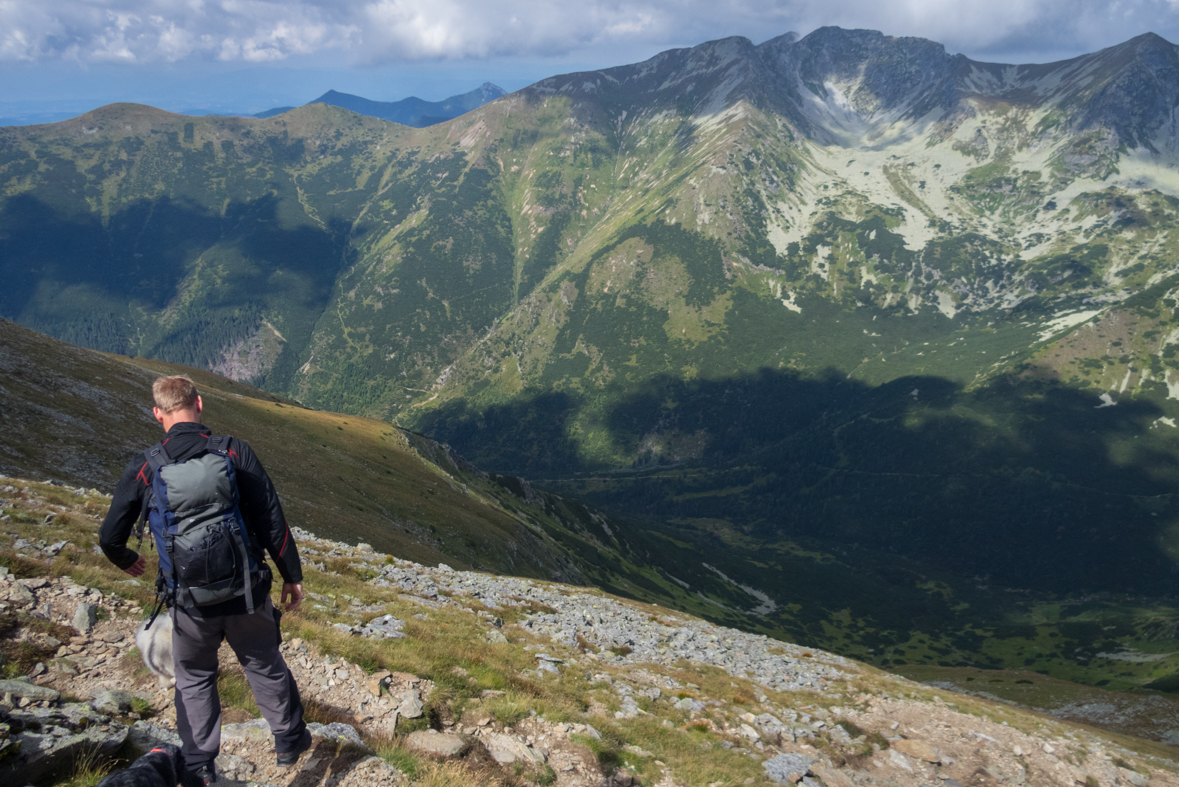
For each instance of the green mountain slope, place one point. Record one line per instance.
(78, 417)
(858, 339)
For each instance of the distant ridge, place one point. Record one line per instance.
(269, 113)
(411, 111)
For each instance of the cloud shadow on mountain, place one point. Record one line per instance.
(1018, 485)
(68, 274)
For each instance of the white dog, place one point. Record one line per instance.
(155, 645)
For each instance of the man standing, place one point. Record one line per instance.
(233, 610)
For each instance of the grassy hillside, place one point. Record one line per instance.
(78, 417)
(857, 341)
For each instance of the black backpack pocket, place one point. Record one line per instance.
(210, 561)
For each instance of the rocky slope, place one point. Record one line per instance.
(591, 689)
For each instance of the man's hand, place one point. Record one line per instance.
(292, 595)
(137, 568)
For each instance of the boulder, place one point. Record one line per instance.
(384, 627)
(788, 768)
(896, 759)
(29, 691)
(256, 730)
(20, 595)
(411, 704)
(440, 744)
(114, 702)
(145, 736)
(344, 734)
(43, 741)
(506, 749)
(85, 616)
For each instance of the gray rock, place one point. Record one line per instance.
(788, 768)
(630, 708)
(113, 703)
(232, 767)
(339, 732)
(1133, 777)
(496, 637)
(85, 617)
(411, 706)
(145, 736)
(690, 705)
(440, 744)
(506, 749)
(384, 627)
(256, 730)
(21, 595)
(20, 688)
(48, 740)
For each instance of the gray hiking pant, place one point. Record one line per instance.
(255, 639)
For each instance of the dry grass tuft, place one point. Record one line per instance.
(89, 769)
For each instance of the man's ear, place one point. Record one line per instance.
(200, 405)
(159, 415)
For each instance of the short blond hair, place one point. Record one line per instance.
(174, 393)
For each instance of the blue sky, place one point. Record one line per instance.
(61, 57)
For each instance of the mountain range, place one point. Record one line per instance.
(861, 342)
(411, 111)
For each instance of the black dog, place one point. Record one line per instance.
(163, 766)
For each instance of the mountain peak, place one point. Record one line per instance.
(414, 111)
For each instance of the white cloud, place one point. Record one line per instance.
(381, 31)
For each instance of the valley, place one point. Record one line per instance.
(842, 338)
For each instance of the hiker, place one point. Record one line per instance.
(212, 510)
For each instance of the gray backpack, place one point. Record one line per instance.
(205, 552)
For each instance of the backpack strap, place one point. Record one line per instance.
(139, 527)
(219, 444)
(157, 457)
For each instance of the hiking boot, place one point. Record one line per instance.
(206, 775)
(287, 758)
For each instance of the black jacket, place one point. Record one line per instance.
(259, 503)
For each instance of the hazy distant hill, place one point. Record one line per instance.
(879, 339)
(410, 111)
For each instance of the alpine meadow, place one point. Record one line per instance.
(840, 339)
